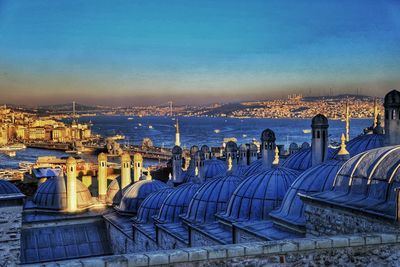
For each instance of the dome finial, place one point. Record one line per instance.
(343, 153)
(229, 164)
(148, 176)
(276, 159)
(196, 171)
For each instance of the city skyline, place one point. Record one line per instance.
(141, 52)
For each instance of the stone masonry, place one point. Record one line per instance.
(10, 234)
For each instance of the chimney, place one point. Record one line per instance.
(125, 170)
(268, 147)
(392, 118)
(71, 185)
(102, 176)
(253, 150)
(320, 142)
(137, 167)
(177, 134)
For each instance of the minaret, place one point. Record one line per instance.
(102, 176)
(392, 118)
(320, 142)
(253, 150)
(71, 185)
(343, 154)
(376, 112)
(268, 147)
(276, 159)
(137, 166)
(243, 155)
(177, 134)
(177, 164)
(347, 122)
(125, 170)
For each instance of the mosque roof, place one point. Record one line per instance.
(213, 168)
(8, 190)
(364, 142)
(302, 159)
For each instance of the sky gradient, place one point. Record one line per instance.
(151, 51)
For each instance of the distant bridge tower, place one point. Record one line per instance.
(170, 108)
(177, 134)
(347, 122)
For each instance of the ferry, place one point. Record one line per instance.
(12, 147)
(217, 131)
(140, 125)
(130, 118)
(150, 127)
(117, 137)
(306, 131)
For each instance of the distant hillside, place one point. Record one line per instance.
(64, 108)
(338, 97)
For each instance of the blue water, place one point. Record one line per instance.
(195, 131)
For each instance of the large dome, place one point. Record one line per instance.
(367, 182)
(302, 160)
(177, 203)
(211, 198)
(316, 179)
(363, 143)
(114, 193)
(151, 205)
(259, 194)
(136, 193)
(52, 194)
(213, 167)
(7, 188)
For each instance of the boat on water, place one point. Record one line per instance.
(12, 147)
(217, 131)
(244, 135)
(306, 131)
(130, 118)
(150, 127)
(117, 137)
(140, 125)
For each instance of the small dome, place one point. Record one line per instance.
(367, 182)
(319, 120)
(363, 143)
(102, 157)
(52, 194)
(136, 193)
(293, 146)
(7, 188)
(205, 149)
(177, 150)
(392, 99)
(268, 136)
(253, 147)
(114, 194)
(213, 168)
(193, 150)
(211, 198)
(231, 147)
(259, 194)
(305, 145)
(151, 206)
(137, 157)
(302, 160)
(315, 179)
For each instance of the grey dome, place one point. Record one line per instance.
(211, 198)
(302, 159)
(293, 146)
(259, 194)
(305, 145)
(253, 168)
(363, 143)
(194, 150)
(151, 205)
(176, 150)
(205, 149)
(7, 188)
(316, 179)
(52, 194)
(392, 99)
(268, 136)
(213, 168)
(231, 147)
(176, 203)
(136, 193)
(114, 194)
(367, 182)
(319, 120)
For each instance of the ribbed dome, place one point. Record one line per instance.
(316, 179)
(177, 203)
(392, 99)
(114, 194)
(302, 160)
(211, 198)
(136, 193)
(367, 182)
(213, 167)
(151, 206)
(52, 194)
(254, 168)
(259, 194)
(240, 170)
(7, 188)
(363, 143)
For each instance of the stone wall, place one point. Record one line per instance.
(324, 220)
(143, 243)
(166, 241)
(120, 242)
(353, 250)
(242, 236)
(10, 234)
(198, 239)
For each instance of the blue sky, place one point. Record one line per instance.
(144, 51)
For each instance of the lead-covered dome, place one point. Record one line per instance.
(151, 205)
(52, 195)
(136, 193)
(367, 182)
(114, 193)
(211, 198)
(213, 168)
(316, 179)
(177, 203)
(363, 143)
(302, 159)
(259, 194)
(9, 190)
